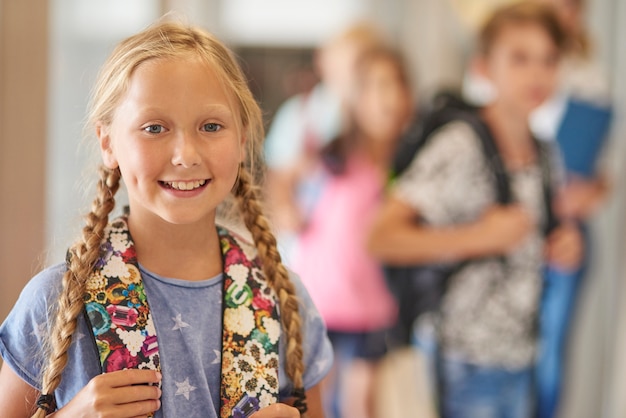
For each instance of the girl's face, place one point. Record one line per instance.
(382, 105)
(522, 65)
(177, 140)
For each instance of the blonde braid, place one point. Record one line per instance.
(277, 276)
(82, 257)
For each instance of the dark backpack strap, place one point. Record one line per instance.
(504, 196)
(449, 108)
(545, 153)
(446, 106)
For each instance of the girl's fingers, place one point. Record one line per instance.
(131, 377)
(135, 393)
(137, 409)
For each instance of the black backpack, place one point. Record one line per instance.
(419, 289)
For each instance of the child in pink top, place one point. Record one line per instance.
(346, 284)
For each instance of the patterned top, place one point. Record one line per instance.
(490, 308)
(186, 317)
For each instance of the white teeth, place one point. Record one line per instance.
(185, 185)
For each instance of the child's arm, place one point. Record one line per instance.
(281, 410)
(397, 239)
(17, 398)
(122, 394)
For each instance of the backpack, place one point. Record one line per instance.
(419, 289)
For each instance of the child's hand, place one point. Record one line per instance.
(580, 198)
(121, 394)
(564, 248)
(278, 410)
(504, 227)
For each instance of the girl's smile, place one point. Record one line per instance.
(182, 188)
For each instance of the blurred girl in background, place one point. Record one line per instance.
(346, 284)
(306, 123)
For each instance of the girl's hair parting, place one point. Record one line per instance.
(160, 41)
(521, 13)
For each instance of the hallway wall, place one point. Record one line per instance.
(23, 121)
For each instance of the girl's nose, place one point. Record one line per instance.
(186, 153)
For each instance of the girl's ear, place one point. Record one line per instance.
(106, 149)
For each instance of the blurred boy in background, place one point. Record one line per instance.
(488, 315)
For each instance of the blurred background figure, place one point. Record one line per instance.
(346, 284)
(577, 120)
(304, 124)
(494, 245)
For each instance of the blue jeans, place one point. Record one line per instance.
(471, 391)
(560, 295)
(559, 298)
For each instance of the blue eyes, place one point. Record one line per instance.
(211, 127)
(153, 129)
(159, 129)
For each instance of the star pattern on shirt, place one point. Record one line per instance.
(322, 364)
(218, 357)
(77, 337)
(40, 330)
(184, 388)
(179, 323)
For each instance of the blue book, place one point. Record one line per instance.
(582, 134)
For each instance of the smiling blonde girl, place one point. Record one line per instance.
(161, 311)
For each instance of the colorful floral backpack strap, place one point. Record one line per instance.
(251, 331)
(117, 307)
(118, 311)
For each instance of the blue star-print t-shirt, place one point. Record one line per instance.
(187, 317)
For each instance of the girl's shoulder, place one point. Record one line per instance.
(24, 333)
(38, 297)
(46, 284)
